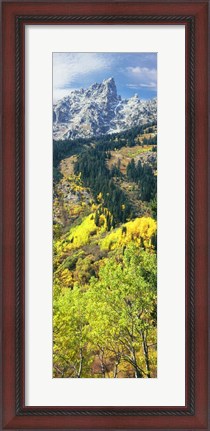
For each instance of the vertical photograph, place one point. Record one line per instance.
(105, 215)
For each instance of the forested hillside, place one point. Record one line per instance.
(105, 255)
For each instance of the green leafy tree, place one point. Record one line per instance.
(70, 335)
(121, 306)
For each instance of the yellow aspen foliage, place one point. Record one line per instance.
(64, 278)
(100, 197)
(102, 220)
(94, 207)
(141, 230)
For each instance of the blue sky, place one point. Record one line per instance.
(133, 72)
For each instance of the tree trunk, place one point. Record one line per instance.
(103, 366)
(80, 365)
(146, 354)
(115, 373)
(138, 374)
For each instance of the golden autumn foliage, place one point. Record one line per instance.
(141, 230)
(105, 256)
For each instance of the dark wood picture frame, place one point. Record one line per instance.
(194, 15)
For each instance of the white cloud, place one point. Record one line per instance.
(142, 77)
(67, 67)
(150, 85)
(143, 72)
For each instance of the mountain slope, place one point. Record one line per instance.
(98, 110)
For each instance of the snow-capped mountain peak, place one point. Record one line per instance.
(98, 110)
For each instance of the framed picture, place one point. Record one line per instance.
(104, 218)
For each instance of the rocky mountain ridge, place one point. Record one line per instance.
(99, 110)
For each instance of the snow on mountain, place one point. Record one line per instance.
(98, 110)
